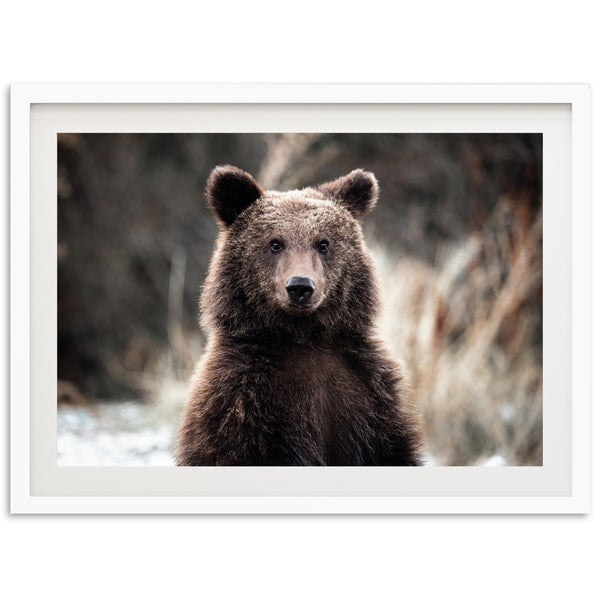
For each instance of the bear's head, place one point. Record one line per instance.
(290, 262)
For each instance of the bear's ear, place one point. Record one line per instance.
(229, 191)
(358, 192)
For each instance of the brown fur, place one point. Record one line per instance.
(281, 384)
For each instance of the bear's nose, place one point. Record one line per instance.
(300, 289)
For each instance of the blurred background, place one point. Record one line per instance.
(456, 234)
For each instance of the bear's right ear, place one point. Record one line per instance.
(229, 191)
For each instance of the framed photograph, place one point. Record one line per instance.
(300, 298)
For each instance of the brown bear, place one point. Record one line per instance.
(293, 373)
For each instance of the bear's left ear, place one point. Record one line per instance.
(229, 191)
(358, 192)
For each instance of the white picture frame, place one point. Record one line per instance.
(560, 112)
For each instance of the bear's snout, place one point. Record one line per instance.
(300, 289)
(299, 279)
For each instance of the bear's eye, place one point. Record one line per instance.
(276, 246)
(323, 246)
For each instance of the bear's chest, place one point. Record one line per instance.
(320, 380)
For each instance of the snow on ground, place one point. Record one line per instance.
(133, 434)
(495, 461)
(113, 434)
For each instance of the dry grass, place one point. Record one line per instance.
(470, 329)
